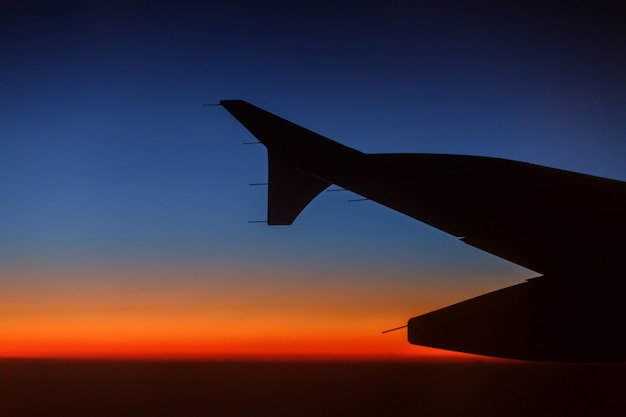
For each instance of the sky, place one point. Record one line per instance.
(124, 204)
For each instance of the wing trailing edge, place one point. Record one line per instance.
(540, 320)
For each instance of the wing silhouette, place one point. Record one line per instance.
(562, 224)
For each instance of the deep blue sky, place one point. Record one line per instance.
(106, 153)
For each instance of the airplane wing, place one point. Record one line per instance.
(562, 224)
(552, 221)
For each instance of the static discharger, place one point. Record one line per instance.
(394, 329)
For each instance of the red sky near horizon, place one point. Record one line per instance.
(203, 313)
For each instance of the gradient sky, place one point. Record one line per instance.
(124, 202)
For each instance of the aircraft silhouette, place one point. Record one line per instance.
(564, 225)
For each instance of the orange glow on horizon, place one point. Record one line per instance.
(204, 314)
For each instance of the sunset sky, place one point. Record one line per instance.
(124, 204)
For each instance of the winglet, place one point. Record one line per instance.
(289, 191)
(299, 160)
